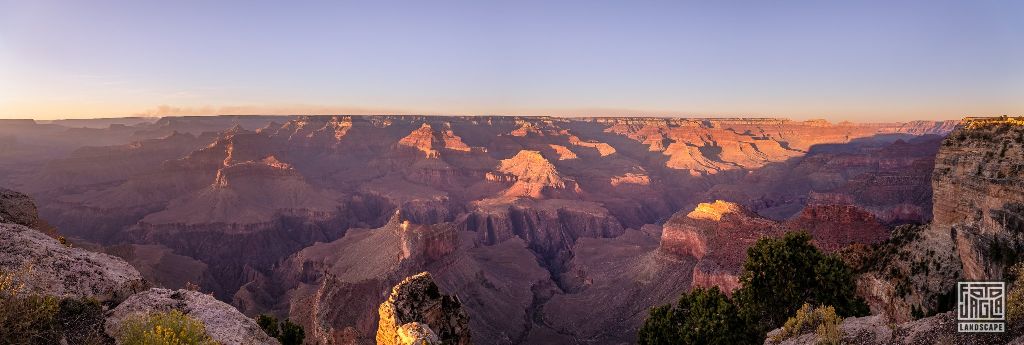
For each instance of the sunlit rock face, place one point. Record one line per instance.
(532, 221)
(979, 194)
(415, 308)
(532, 175)
(717, 235)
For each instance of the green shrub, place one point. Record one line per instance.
(36, 319)
(823, 321)
(781, 274)
(29, 319)
(287, 332)
(291, 333)
(163, 328)
(81, 321)
(703, 316)
(269, 325)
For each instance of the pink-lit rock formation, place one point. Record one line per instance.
(979, 195)
(418, 301)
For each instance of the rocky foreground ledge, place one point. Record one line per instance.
(47, 267)
(43, 265)
(223, 323)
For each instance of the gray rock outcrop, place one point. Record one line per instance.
(47, 267)
(223, 323)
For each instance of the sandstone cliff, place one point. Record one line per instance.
(975, 233)
(979, 195)
(417, 299)
(717, 235)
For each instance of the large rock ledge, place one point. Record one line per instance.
(50, 268)
(223, 323)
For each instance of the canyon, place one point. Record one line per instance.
(548, 230)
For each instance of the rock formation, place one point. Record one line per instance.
(223, 322)
(52, 268)
(18, 208)
(836, 226)
(717, 235)
(533, 176)
(416, 302)
(979, 195)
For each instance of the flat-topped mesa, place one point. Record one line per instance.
(603, 149)
(716, 210)
(416, 304)
(268, 167)
(532, 176)
(717, 234)
(978, 122)
(428, 141)
(978, 189)
(689, 235)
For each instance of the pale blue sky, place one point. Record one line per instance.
(841, 60)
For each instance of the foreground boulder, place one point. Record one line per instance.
(47, 267)
(223, 323)
(417, 313)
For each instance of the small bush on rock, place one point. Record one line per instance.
(172, 328)
(821, 320)
(37, 319)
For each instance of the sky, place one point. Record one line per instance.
(865, 61)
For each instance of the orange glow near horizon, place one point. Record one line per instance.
(58, 111)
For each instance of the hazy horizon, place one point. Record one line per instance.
(625, 115)
(868, 61)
